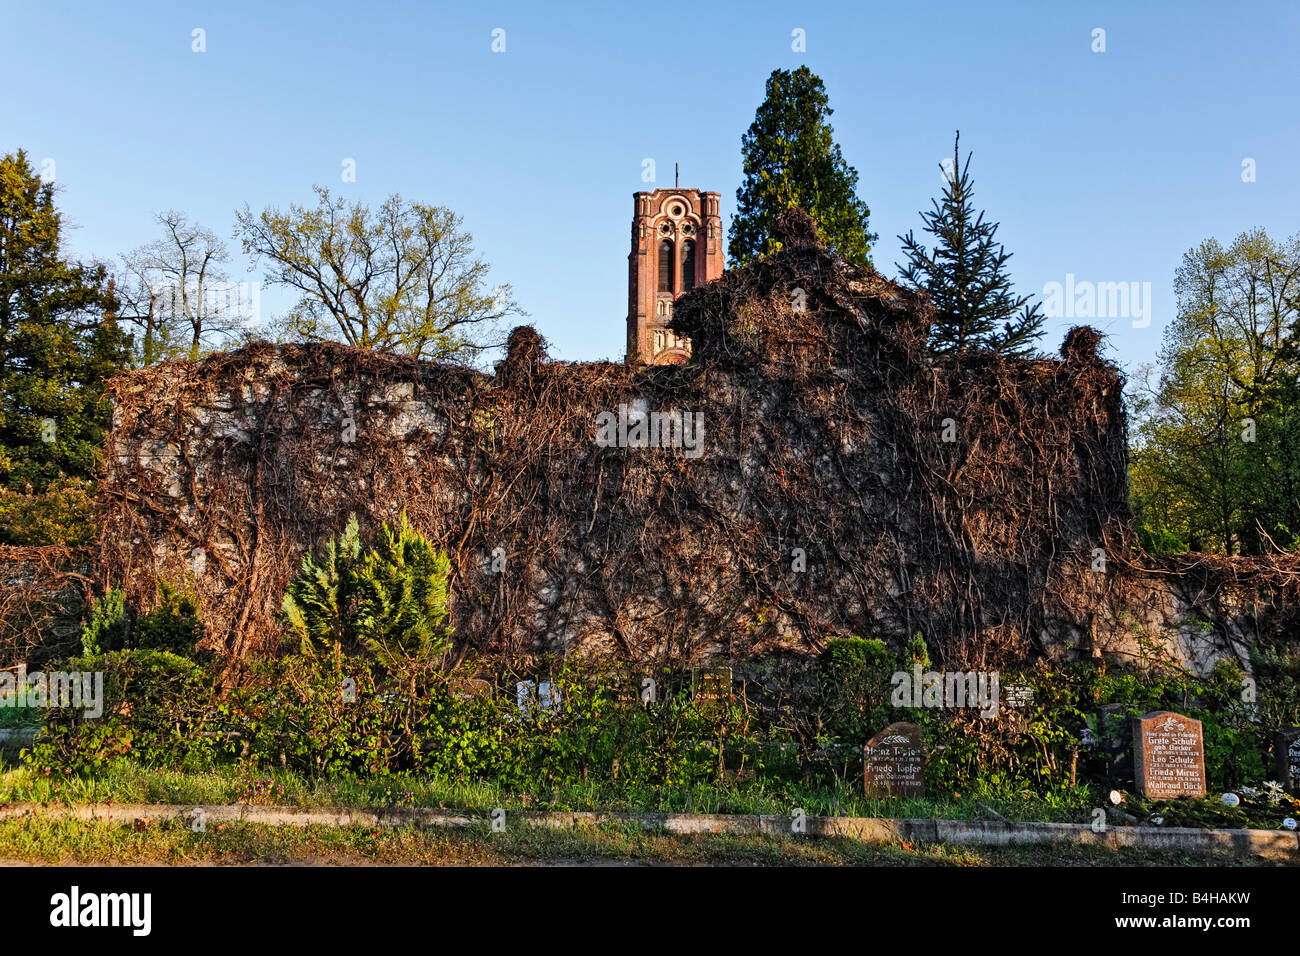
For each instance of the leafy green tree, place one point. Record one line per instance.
(1215, 461)
(107, 627)
(966, 276)
(1275, 479)
(402, 588)
(402, 278)
(791, 159)
(59, 340)
(320, 601)
(61, 514)
(389, 599)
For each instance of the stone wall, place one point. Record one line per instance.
(848, 482)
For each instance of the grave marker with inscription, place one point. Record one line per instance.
(1168, 756)
(534, 698)
(712, 686)
(472, 687)
(1286, 749)
(893, 763)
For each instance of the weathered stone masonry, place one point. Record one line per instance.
(826, 502)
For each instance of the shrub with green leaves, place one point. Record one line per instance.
(172, 626)
(106, 627)
(388, 599)
(855, 687)
(62, 514)
(156, 709)
(340, 715)
(321, 716)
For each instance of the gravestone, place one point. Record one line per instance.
(549, 696)
(893, 764)
(1168, 756)
(1115, 743)
(712, 687)
(1017, 696)
(1286, 749)
(533, 698)
(472, 687)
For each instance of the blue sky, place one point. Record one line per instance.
(1107, 166)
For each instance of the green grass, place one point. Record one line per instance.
(125, 782)
(49, 840)
(174, 843)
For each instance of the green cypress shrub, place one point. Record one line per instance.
(388, 599)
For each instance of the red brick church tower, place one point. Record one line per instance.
(676, 246)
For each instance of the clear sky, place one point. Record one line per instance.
(1106, 166)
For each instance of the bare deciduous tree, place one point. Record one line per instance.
(176, 293)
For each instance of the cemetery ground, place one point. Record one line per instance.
(43, 836)
(317, 757)
(174, 843)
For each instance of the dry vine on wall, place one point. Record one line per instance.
(851, 482)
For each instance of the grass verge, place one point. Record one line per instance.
(44, 841)
(122, 781)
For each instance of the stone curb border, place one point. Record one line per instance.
(1270, 844)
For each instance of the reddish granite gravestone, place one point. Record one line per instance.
(1168, 756)
(713, 688)
(472, 687)
(893, 764)
(1286, 749)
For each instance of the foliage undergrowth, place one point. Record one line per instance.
(322, 728)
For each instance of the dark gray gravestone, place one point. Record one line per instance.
(1286, 750)
(1115, 743)
(1168, 756)
(893, 763)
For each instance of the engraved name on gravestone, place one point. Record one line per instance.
(1168, 756)
(1017, 696)
(892, 763)
(1286, 748)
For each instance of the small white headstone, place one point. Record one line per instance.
(544, 696)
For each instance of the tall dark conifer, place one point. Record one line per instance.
(58, 340)
(791, 159)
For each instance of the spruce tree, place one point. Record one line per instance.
(791, 159)
(966, 277)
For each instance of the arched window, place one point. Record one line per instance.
(688, 265)
(665, 266)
